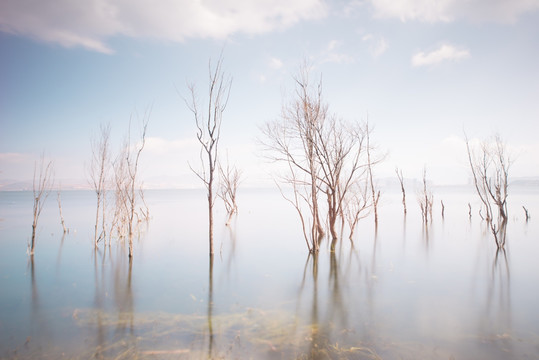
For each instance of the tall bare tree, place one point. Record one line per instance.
(490, 163)
(208, 125)
(292, 140)
(41, 187)
(98, 174)
(325, 157)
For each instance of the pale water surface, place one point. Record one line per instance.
(401, 292)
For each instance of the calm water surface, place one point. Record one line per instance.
(401, 291)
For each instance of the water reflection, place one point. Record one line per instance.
(112, 281)
(331, 310)
(210, 308)
(497, 311)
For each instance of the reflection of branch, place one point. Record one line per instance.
(499, 288)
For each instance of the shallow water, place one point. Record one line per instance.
(398, 291)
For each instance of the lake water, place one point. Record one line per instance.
(402, 291)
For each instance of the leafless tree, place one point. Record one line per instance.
(41, 187)
(401, 181)
(324, 155)
(526, 213)
(371, 162)
(340, 150)
(443, 208)
(292, 140)
(120, 215)
(357, 206)
(132, 157)
(490, 163)
(98, 174)
(425, 199)
(209, 130)
(59, 200)
(230, 179)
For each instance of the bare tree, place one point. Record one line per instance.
(341, 153)
(230, 179)
(443, 208)
(132, 157)
(357, 206)
(490, 165)
(425, 199)
(401, 181)
(371, 162)
(41, 187)
(324, 156)
(526, 213)
(292, 140)
(209, 131)
(120, 215)
(59, 200)
(98, 175)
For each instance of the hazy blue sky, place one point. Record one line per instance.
(422, 71)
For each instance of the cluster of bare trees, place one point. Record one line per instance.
(490, 163)
(118, 178)
(327, 161)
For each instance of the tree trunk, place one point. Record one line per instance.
(210, 217)
(33, 238)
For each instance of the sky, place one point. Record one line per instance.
(422, 72)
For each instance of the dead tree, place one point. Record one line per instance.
(230, 179)
(292, 140)
(131, 186)
(401, 181)
(59, 200)
(209, 131)
(98, 175)
(370, 164)
(340, 150)
(490, 163)
(443, 208)
(41, 187)
(324, 155)
(526, 213)
(357, 206)
(425, 199)
(120, 215)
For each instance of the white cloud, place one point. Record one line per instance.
(503, 11)
(333, 55)
(444, 53)
(377, 44)
(275, 63)
(90, 23)
(333, 44)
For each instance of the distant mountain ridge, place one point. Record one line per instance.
(177, 183)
